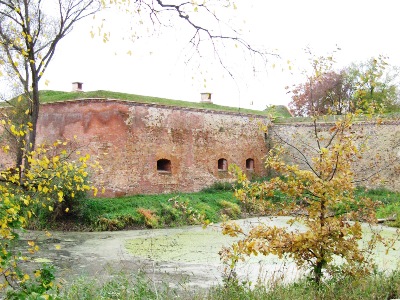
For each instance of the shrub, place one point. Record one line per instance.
(29, 190)
(230, 209)
(150, 218)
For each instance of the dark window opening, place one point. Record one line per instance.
(164, 165)
(250, 164)
(222, 164)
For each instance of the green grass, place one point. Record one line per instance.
(278, 111)
(54, 96)
(378, 286)
(141, 286)
(163, 210)
(390, 203)
(171, 210)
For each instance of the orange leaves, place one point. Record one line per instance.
(320, 197)
(231, 229)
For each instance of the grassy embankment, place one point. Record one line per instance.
(139, 286)
(171, 210)
(145, 211)
(55, 96)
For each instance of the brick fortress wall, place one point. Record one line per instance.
(129, 138)
(379, 165)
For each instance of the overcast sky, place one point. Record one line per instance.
(157, 65)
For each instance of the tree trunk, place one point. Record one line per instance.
(318, 271)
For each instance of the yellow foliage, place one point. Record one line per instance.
(313, 198)
(49, 176)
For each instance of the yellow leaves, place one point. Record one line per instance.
(232, 229)
(5, 148)
(50, 177)
(60, 196)
(314, 196)
(32, 247)
(37, 273)
(106, 37)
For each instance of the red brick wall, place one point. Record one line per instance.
(128, 138)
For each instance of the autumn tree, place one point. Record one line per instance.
(320, 196)
(374, 85)
(30, 32)
(367, 87)
(51, 183)
(330, 93)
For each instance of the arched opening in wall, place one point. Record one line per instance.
(250, 164)
(222, 164)
(164, 165)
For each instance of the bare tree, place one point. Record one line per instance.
(30, 31)
(206, 22)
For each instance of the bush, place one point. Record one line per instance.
(219, 186)
(150, 218)
(230, 209)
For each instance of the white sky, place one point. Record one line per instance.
(157, 67)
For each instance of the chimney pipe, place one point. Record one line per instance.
(205, 98)
(77, 86)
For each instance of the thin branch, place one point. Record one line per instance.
(305, 160)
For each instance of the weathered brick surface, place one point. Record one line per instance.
(128, 138)
(380, 162)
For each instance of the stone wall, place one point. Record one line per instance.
(379, 165)
(128, 139)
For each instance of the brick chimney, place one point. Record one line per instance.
(77, 86)
(205, 98)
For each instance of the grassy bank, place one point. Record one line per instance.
(140, 286)
(146, 211)
(171, 210)
(390, 207)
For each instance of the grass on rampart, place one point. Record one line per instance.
(55, 96)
